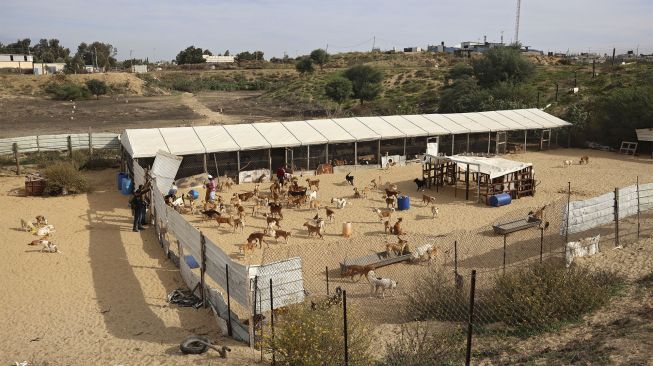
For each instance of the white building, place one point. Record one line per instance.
(219, 59)
(42, 68)
(16, 61)
(139, 69)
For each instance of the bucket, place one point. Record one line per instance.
(501, 199)
(192, 263)
(347, 229)
(193, 193)
(403, 203)
(127, 186)
(119, 179)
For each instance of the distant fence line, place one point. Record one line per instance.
(60, 142)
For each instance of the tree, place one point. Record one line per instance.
(226, 53)
(305, 66)
(50, 51)
(319, 57)
(365, 80)
(102, 55)
(502, 64)
(191, 55)
(20, 46)
(459, 70)
(464, 95)
(97, 87)
(207, 52)
(338, 89)
(250, 56)
(74, 65)
(616, 115)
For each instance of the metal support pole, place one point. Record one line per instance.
(470, 323)
(525, 135)
(616, 217)
(270, 161)
(505, 236)
(344, 317)
(638, 208)
(467, 183)
(405, 145)
(378, 153)
(455, 256)
(90, 141)
(453, 143)
(206, 165)
(541, 242)
(202, 267)
(274, 361)
(489, 142)
(467, 150)
(327, 279)
(568, 213)
(355, 154)
(238, 176)
(326, 154)
(229, 330)
(308, 157)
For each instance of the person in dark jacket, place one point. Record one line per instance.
(139, 205)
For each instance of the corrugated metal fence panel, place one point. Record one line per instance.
(184, 232)
(25, 144)
(628, 201)
(644, 134)
(287, 283)
(106, 141)
(588, 214)
(216, 262)
(56, 142)
(59, 142)
(160, 207)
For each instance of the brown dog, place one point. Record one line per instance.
(313, 183)
(245, 196)
(391, 202)
(427, 200)
(282, 234)
(272, 220)
(313, 230)
(224, 220)
(330, 214)
(253, 237)
(396, 228)
(357, 270)
(584, 160)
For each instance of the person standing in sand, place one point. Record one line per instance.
(211, 187)
(139, 205)
(281, 174)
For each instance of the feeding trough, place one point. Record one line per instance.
(517, 225)
(379, 259)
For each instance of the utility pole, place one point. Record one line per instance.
(373, 43)
(517, 21)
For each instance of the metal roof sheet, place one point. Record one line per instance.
(247, 137)
(182, 141)
(303, 132)
(536, 118)
(143, 142)
(405, 126)
(486, 121)
(276, 134)
(549, 117)
(431, 128)
(524, 121)
(472, 126)
(447, 124)
(511, 125)
(357, 129)
(381, 127)
(331, 130)
(216, 139)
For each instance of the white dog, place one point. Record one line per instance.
(27, 225)
(312, 195)
(435, 211)
(380, 283)
(566, 163)
(340, 202)
(49, 247)
(45, 230)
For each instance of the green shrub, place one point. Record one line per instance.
(97, 87)
(434, 296)
(306, 337)
(67, 91)
(418, 344)
(63, 178)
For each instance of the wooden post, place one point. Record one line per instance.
(229, 330)
(308, 157)
(355, 154)
(557, 88)
(470, 322)
(202, 267)
(378, 153)
(568, 213)
(38, 146)
(270, 160)
(70, 147)
(505, 236)
(345, 330)
(525, 135)
(467, 183)
(238, 176)
(15, 149)
(205, 164)
(90, 141)
(327, 279)
(326, 153)
(638, 209)
(455, 256)
(453, 143)
(467, 150)
(616, 217)
(489, 142)
(405, 145)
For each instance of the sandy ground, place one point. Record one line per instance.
(102, 300)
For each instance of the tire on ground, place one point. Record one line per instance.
(194, 345)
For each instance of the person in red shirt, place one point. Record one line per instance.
(281, 174)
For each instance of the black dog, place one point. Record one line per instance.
(420, 184)
(350, 178)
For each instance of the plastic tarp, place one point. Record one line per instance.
(143, 143)
(471, 125)
(447, 124)
(405, 126)
(381, 127)
(431, 128)
(488, 123)
(559, 122)
(526, 122)
(536, 118)
(182, 141)
(303, 132)
(494, 167)
(511, 125)
(165, 169)
(276, 134)
(247, 137)
(216, 139)
(331, 131)
(357, 129)
(644, 134)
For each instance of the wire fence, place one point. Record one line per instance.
(453, 298)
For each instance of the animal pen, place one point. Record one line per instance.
(488, 176)
(253, 152)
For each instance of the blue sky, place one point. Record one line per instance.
(159, 29)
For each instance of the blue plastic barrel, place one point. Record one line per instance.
(127, 186)
(192, 263)
(501, 199)
(403, 203)
(119, 179)
(193, 193)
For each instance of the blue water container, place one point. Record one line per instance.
(119, 179)
(403, 203)
(501, 199)
(192, 263)
(193, 193)
(127, 186)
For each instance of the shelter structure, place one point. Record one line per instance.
(254, 151)
(488, 176)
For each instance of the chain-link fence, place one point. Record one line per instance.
(423, 299)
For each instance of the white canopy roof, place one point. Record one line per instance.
(331, 130)
(247, 137)
(182, 141)
(216, 139)
(141, 143)
(357, 129)
(432, 128)
(494, 167)
(446, 123)
(276, 134)
(405, 126)
(303, 132)
(381, 127)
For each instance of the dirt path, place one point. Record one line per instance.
(207, 116)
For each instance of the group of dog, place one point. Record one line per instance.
(378, 284)
(583, 160)
(42, 229)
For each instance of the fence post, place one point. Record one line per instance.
(202, 266)
(327, 279)
(260, 307)
(70, 146)
(90, 141)
(541, 242)
(274, 361)
(568, 213)
(505, 236)
(15, 149)
(455, 256)
(253, 334)
(470, 323)
(616, 217)
(344, 317)
(638, 210)
(229, 330)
